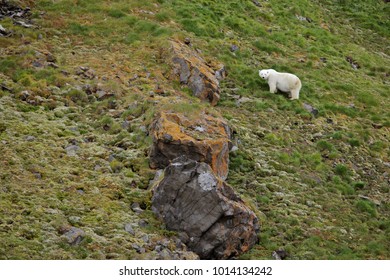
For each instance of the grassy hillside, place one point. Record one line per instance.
(76, 101)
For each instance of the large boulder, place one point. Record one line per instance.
(211, 219)
(203, 139)
(193, 71)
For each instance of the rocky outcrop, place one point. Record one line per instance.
(210, 218)
(205, 139)
(193, 71)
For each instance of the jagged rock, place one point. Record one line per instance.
(211, 219)
(175, 135)
(136, 208)
(353, 63)
(74, 235)
(280, 254)
(195, 72)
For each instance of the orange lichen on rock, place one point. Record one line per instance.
(196, 73)
(204, 139)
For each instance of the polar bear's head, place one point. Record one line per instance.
(264, 74)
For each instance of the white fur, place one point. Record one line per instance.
(285, 82)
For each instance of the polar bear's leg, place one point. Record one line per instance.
(272, 87)
(294, 94)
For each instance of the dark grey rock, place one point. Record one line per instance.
(143, 223)
(280, 254)
(74, 235)
(129, 229)
(138, 249)
(257, 3)
(136, 208)
(210, 218)
(234, 48)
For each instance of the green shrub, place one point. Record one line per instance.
(341, 170)
(366, 206)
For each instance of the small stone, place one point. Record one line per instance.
(125, 124)
(143, 129)
(187, 41)
(257, 3)
(143, 223)
(30, 138)
(74, 235)
(37, 64)
(199, 128)
(233, 149)
(234, 48)
(145, 238)
(377, 125)
(136, 208)
(280, 254)
(129, 229)
(138, 249)
(310, 109)
(72, 150)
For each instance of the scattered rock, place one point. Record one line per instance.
(310, 109)
(129, 229)
(4, 32)
(74, 235)
(211, 219)
(139, 249)
(195, 72)
(257, 3)
(302, 18)
(136, 208)
(377, 125)
(353, 63)
(234, 48)
(175, 135)
(72, 150)
(30, 138)
(19, 15)
(187, 41)
(85, 72)
(280, 254)
(143, 223)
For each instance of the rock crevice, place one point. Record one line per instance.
(211, 219)
(194, 72)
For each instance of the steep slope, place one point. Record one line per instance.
(81, 82)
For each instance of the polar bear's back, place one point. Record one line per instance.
(285, 81)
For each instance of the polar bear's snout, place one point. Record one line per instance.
(263, 74)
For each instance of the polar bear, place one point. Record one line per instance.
(285, 82)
